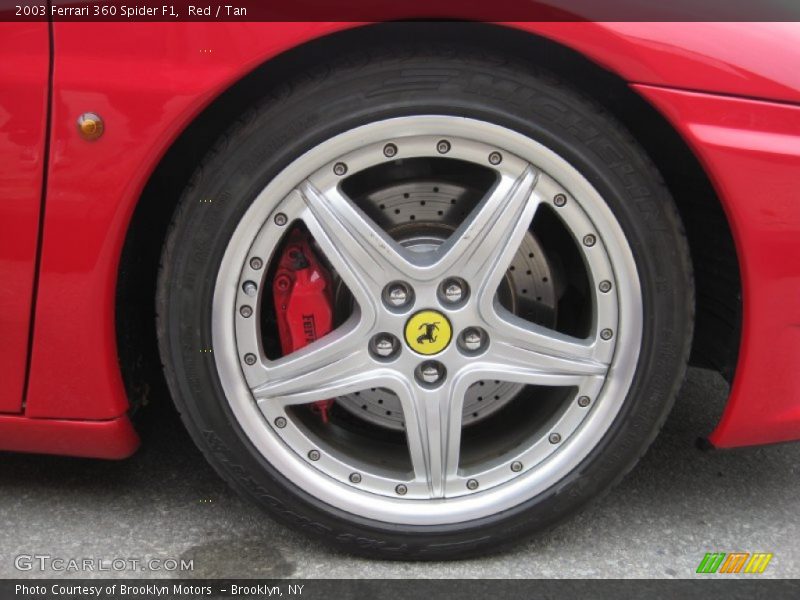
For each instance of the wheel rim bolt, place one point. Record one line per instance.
(256, 263)
(246, 311)
(554, 438)
(250, 359)
(430, 372)
(516, 466)
(560, 200)
(280, 422)
(453, 291)
(443, 147)
(250, 288)
(280, 219)
(472, 484)
(604, 286)
(472, 339)
(389, 150)
(495, 158)
(340, 168)
(384, 345)
(397, 295)
(583, 401)
(313, 455)
(606, 334)
(589, 240)
(355, 477)
(401, 490)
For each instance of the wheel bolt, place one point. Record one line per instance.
(559, 200)
(604, 286)
(280, 219)
(472, 339)
(453, 291)
(250, 359)
(401, 490)
(589, 240)
(495, 158)
(554, 438)
(583, 401)
(430, 372)
(355, 477)
(384, 345)
(340, 168)
(397, 295)
(256, 263)
(606, 334)
(389, 150)
(472, 484)
(443, 147)
(246, 311)
(313, 455)
(250, 288)
(280, 422)
(516, 466)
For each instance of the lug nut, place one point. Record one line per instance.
(256, 263)
(495, 158)
(355, 477)
(430, 372)
(397, 295)
(606, 334)
(443, 147)
(280, 422)
(559, 200)
(554, 438)
(472, 484)
(589, 240)
(472, 339)
(340, 168)
(250, 288)
(246, 311)
(250, 359)
(389, 150)
(583, 401)
(453, 291)
(280, 219)
(313, 455)
(604, 286)
(516, 466)
(384, 345)
(401, 490)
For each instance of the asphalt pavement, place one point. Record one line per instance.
(167, 503)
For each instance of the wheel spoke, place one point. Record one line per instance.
(363, 255)
(433, 430)
(324, 369)
(482, 248)
(529, 353)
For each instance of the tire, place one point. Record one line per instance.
(519, 102)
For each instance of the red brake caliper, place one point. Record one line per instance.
(303, 300)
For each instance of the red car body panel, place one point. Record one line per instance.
(24, 70)
(150, 80)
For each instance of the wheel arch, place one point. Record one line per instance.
(716, 338)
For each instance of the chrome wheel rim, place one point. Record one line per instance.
(438, 488)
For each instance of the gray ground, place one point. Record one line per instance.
(166, 502)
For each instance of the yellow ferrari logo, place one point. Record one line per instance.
(428, 332)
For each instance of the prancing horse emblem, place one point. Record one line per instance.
(430, 332)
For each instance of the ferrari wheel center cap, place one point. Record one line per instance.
(428, 332)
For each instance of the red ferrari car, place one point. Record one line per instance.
(419, 289)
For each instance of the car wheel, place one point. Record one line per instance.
(498, 305)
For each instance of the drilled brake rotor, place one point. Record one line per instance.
(421, 215)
